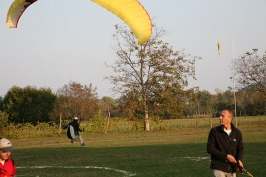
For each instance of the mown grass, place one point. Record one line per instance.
(151, 160)
(173, 152)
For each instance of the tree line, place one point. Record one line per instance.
(151, 80)
(33, 105)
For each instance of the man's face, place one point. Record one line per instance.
(225, 118)
(4, 155)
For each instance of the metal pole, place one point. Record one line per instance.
(233, 73)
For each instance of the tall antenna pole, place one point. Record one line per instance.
(233, 73)
(233, 76)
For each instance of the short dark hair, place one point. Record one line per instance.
(231, 113)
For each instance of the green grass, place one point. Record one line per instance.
(170, 153)
(152, 160)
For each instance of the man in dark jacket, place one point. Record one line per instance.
(225, 146)
(73, 131)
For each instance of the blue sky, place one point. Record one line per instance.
(65, 40)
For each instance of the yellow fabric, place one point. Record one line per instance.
(130, 11)
(218, 45)
(15, 11)
(133, 14)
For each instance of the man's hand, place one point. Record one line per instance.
(239, 167)
(231, 158)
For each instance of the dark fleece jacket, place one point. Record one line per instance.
(220, 144)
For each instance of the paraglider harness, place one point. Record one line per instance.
(71, 133)
(73, 129)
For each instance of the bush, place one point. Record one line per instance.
(157, 123)
(99, 123)
(27, 130)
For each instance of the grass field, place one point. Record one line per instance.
(176, 151)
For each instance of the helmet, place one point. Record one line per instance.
(76, 118)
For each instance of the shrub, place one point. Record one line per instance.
(27, 130)
(99, 123)
(157, 123)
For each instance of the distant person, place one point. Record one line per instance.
(7, 165)
(73, 131)
(225, 146)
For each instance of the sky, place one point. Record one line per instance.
(64, 40)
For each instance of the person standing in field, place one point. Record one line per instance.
(73, 130)
(225, 145)
(7, 165)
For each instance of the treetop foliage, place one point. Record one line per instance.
(152, 76)
(76, 100)
(28, 104)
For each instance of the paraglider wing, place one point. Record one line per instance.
(15, 11)
(133, 14)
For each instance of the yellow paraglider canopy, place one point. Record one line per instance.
(133, 14)
(130, 11)
(15, 11)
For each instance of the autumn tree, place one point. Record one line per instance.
(251, 71)
(130, 105)
(75, 99)
(153, 72)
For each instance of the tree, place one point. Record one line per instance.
(204, 99)
(29, 104)
(3, 120)
(224, 101)
(130, 105)
(75, 99)
(153, 72)
(251, 72)
(109, 106)
(1, 102)
(251, 103)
